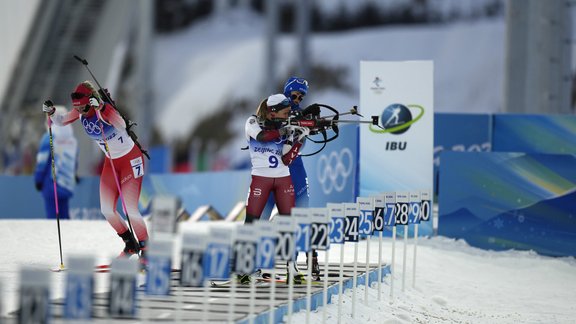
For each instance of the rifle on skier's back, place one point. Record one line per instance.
(105, 95)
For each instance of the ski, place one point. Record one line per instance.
(102, 267)
(227, 283)
(283, 281)
(263, 280)
(105, 268)
(220, 283)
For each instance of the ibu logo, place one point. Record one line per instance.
(397, 118)
(395, 146)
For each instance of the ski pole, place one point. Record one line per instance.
(114, 172)
(55, 190)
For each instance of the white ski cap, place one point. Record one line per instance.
(277, 99)
(277, 102)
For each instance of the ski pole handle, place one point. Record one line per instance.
(83, 61)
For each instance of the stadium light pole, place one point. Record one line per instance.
(142, 109)
(303, 28)
(270, 73)
(538, 57)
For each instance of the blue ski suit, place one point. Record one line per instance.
(65, 161)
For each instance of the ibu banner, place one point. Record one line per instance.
(397, 155)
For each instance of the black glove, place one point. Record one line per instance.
(38, 186)
(296, 114)
(313, 109)
(300, 133)
(48, 107)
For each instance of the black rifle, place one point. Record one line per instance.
(311, 118)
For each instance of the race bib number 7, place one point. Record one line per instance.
(137, 167)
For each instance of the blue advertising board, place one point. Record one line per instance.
(222, 190)
(333, 173)
(462, 133)
(553, 134)
(509, 201)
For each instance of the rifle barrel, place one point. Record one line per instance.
(353, 121)
(341, 114)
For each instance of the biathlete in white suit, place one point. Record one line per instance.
(126, 156)
(273, 147)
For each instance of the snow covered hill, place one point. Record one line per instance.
(217, 63)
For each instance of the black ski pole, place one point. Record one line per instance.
(55, 190)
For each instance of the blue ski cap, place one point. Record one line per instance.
(295, 84)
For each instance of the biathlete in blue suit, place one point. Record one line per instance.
(65, 159)
(294, 89)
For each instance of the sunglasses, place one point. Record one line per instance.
(297, 96)
(78, 95)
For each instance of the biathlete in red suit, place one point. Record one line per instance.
(272, 148)
(126, 156)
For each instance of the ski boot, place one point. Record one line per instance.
(244, 279)
(143, 259)
(315, 266)
(293, 271)
(131, 245)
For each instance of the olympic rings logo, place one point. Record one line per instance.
(333, 170)
(91, 128)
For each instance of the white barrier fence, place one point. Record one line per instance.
(214, 254)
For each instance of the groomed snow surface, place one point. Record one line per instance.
(455, 283)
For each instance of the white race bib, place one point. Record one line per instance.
(137, 167)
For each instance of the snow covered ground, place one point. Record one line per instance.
(455, 283)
